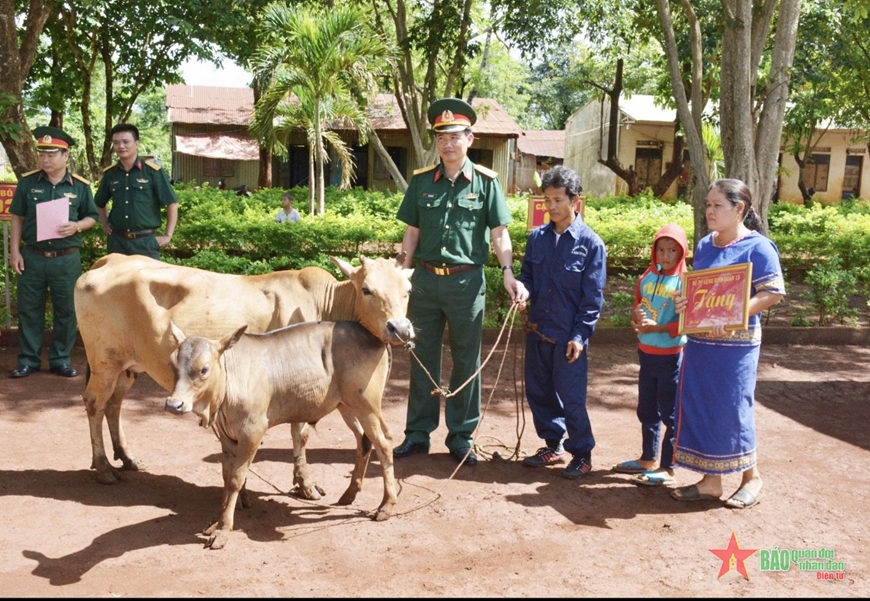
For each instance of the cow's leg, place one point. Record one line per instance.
(113, 417)
(376, 430)
(96, 396)
(304, 485)
(363, 454)
(237, 458)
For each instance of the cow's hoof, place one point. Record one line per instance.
(108, 477)
(347, 498)
(311, 493)
(218, 540)
(382, 515)
(134, 465)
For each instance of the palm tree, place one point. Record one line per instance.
(319, 64)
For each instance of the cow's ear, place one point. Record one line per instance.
(400, 258)
(346, 268)
(176, 331)
(228, 341)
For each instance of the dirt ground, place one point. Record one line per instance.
(492, 530)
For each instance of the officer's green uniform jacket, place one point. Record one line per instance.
(56, 274)
(138, 197)
(34, 188)
(454, 219)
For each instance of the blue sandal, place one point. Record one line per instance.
(629, 467)
(654, 479)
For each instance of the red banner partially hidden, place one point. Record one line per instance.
(6, 193)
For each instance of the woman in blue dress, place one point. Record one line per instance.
(716, 397)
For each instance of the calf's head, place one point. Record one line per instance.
(383, 288)
(199, 374)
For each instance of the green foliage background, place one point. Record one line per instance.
(219, 231)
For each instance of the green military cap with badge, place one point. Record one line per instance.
(450, 115)
(52, 139)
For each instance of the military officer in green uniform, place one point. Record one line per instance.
(138, 189)
(450, 210)
(49, 261)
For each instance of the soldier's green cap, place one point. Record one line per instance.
(451, 114)
(52, 139)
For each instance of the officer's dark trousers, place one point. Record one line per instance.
(457, 301)
(56, 276)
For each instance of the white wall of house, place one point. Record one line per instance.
(838, 148)
(586, 141)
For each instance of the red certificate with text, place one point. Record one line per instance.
(717, 296)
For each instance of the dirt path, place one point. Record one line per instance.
(496, 529)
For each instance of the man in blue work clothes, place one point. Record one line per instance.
(138, 189)
(450, 210)
(52, 264)
(564, 269)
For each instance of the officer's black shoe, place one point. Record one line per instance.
(66, 371)
(460, 454)
(408, 448)
(23, 371)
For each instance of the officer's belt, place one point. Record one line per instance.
(51, 254)
(445, 270)
(132, 235)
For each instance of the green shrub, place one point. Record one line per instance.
(831, 290)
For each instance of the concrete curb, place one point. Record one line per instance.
(770, 335)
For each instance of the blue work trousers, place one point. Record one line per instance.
(556, 391)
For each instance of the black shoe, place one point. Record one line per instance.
(66, 371)
(408, 448)
(467, 453)
(23, 371)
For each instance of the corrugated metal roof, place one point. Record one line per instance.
(224, 145)
(233, 106)
(209, 104)
(543, 143)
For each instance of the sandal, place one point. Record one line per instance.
(629, 467)
(743, 499)
(654, 479)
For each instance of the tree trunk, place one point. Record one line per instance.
(690, 117)
(380, 149)
(674, 168)
(769, 135)
(612, 162)
(16, 57)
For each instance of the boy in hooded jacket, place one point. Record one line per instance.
(660, 353)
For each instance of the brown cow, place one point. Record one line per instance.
(124, 305)
(244, 384)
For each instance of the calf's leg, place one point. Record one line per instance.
(303, 484)
(363, 454)
(236, 459)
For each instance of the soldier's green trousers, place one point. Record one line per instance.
(457, 301)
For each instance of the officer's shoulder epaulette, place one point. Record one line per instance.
(30, 173)
(485, 171)
(109, 167)
(424, 169)
(81, 179)
(153, 165)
